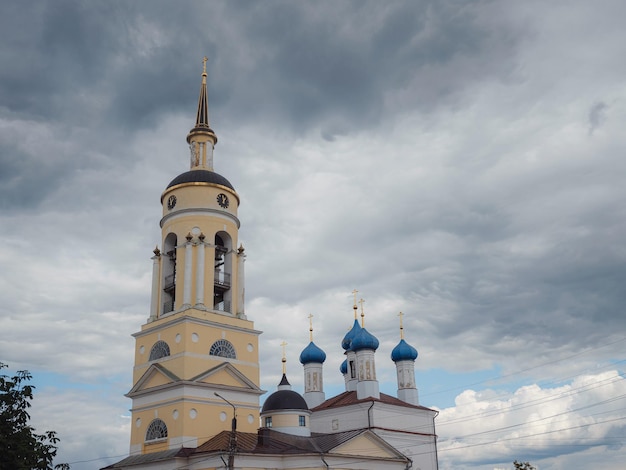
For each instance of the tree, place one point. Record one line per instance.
(22, 449)
(523, 466)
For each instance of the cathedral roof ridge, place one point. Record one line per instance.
(348, 398)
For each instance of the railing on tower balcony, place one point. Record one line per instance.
(168, 306)
(169, 282)
(222, 279)
(223, 306)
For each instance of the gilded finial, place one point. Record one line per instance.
(205, 59)
(401, 327)
(362, 313)
(284, 359)
(354, 307)
(311, 327)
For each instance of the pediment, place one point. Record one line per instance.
(226, 375)
(367, 444)
(155, 376)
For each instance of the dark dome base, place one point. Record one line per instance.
(284, 400)
(200, 176)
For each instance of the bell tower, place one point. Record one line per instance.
(196, 357)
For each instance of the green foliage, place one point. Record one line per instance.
(523, 466)
(22, 449)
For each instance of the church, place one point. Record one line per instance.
(196, 379)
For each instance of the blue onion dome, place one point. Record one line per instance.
(343, 368)
(346, 344)
(364, 340)
(312, 353)
(403, 352)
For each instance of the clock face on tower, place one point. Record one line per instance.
(222, 200)
(171, 202)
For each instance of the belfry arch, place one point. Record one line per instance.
(169, 273)
(223, 271)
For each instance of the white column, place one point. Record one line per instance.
(200, 274)
(209, 155)
(187, 280)
(156, 275)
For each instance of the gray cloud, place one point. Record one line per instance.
(597, 116)
(434, 156)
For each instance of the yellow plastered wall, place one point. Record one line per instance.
(190, 335)
(190, 341)
(287, 420)
(193, 419)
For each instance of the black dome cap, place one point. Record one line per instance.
(200, 176)
(284, 400)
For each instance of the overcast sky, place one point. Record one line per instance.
(461, 162)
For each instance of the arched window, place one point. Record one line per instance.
(159, 350)
(156, 430)
(223, 348)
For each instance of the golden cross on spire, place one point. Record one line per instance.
(401, 327)
(284, 359)
(204, 61)
(362, 313)
(354, 292)
(311, 327)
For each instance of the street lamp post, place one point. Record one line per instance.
(232, 445)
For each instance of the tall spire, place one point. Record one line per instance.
(201, 138)
(202, 116)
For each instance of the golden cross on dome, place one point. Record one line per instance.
(354, 292)
(311, 327)
(362, 313)
(284, 359)
(401, 327)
